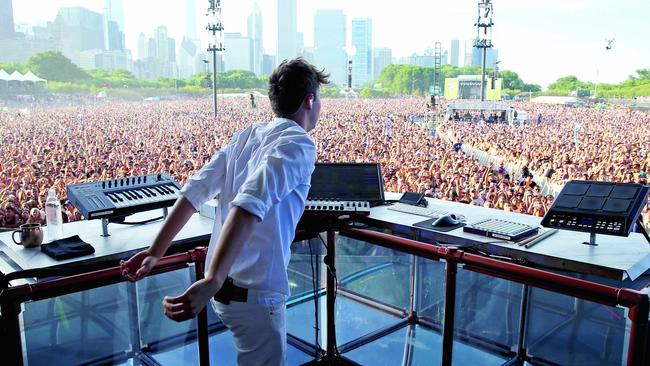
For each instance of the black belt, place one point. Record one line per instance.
(231, 292)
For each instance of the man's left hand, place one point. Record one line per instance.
(190, 303)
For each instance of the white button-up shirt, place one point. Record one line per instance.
(266, 170)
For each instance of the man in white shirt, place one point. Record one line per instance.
(262, 178)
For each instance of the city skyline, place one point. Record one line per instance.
(570, 44)
(362, 45)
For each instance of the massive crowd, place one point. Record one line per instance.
(568, 143)
(51, 148)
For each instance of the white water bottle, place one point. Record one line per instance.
(53, 217)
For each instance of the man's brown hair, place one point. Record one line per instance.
(290, 82)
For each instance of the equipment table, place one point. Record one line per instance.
(622, 259)
(123, 241)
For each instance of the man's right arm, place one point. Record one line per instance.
(204, 185)
(180, 214)
(143, 262)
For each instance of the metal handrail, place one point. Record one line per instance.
(12, 297)
(636, 301)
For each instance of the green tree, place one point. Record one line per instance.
(407, 79)
(569, 83)
(52, 65)
(643, 74)
(119, 79)
(199, 80)
(330, 92)
(410, 79)
(471, 70)
(10, 67)
(239, 79)
(531, 88)
(368, 92)
(511, 80)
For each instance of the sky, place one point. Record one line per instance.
(540, 40)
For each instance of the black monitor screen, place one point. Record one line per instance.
(347, 182)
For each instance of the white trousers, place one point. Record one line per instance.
(258, 327)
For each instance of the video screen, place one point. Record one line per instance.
(360, 182)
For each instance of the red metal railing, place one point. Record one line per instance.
(635, 301)
(12, 297)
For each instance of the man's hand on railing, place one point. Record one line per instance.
(138, 266)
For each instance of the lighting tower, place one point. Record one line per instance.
(350, 51)
(215, 43)
(483, 40)
(350, 74)
(437, 61)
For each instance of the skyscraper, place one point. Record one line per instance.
(329, 44)
(78, 29)
(474, 56)
(114, 25)
(114, 10)
(6, 19)
(426, 60)
(152, 50)
(255, 34)
(113, 38)
(268, 64)
(469, 54)
(162, 43)
(454, 52)
(239, 52)
(491, 57)
(172, 49)
(362, 60)
(189, 57)
(142, 46)
(287, 29)
(383, 58)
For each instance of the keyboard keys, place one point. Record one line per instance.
(418, 210)
(127, 195)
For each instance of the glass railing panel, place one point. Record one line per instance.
(305, 266)
(568, 331)
(154, 325)
(385, 351)
(487, 310)
(366, 269)
(430, 290)
(420, 345)
(426, 348)
(354, 320)
(79, 328)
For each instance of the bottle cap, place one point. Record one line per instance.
(51, 193)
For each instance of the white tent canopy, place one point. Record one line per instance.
(17, 76)
(29, 76)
